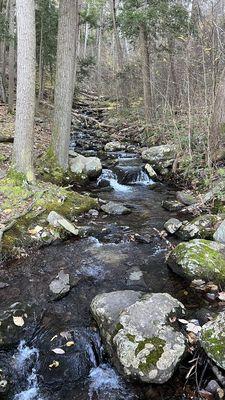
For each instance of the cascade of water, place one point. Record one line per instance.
(26, 364)
(108, 175)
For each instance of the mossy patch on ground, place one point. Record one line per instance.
(50, 171)
(28, 205)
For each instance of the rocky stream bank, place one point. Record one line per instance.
(131, 304)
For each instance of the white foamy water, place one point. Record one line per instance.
(106, 383)
(24, 358)
(109, 176)
(142, 179)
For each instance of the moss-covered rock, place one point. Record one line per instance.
(199, 258)
(140, 339)
(213, 339)
(24, 208)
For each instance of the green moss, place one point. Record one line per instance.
(131, 337)
(155, 354)
(33, 203)
(215, 346)
(49, 169)
(200, 259)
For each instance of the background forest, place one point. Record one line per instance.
(160, 63)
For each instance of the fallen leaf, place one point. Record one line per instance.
(54, 364)
(18, 321)
(58, 351)
(70, 343)
(8, 211)
(53, 338)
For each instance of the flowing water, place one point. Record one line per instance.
(122, 252)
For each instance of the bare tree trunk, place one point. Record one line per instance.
(25, 102)
(217, 131)
(11, 56)
(41, 65)
(5, 10)
(77, 39)
(120, 60)
(146, 74)
(64, 85)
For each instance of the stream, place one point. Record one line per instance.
(124, 252)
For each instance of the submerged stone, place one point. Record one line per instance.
(141, 341)
(114, 208)
(199, 259)
(60, 286)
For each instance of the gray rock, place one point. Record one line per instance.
(201, 227)
(163, 155)
(114, 146)
(57, 220)
(212, 386)
(172, 205)
(141, 341)
(114, 208)
(151, 172)
(93, 167)
(199, 259)
(3, 285)
(188, 231)
(86, 167)
(219, 235)
(186, 197)
(213, 339)
(60, 286)
(172, 225)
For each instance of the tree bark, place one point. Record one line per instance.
(146, 74)
(217, 131)
(120, 60)
(11, 56)
(25, 101)
(64, 84)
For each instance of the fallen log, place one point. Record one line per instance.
(87, 119)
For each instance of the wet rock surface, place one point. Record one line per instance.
(137, 328)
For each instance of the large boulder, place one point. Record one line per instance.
(138, 333)
(199, 259)
(114, 146)
(213, 339)
(159, 156)
(86, 167)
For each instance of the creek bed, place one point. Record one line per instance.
(103, 262)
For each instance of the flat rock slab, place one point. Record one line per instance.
(60, 286)
(113, 208)
(57, 220)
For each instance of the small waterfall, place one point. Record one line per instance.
(109, 176)
(142, 178)
(26, 362)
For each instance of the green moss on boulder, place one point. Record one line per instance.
(213, 339)
(199, 258)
